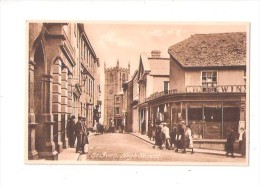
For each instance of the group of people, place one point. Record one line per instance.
(230, 142)
(77, 131)
(112, 127)
(179, 137)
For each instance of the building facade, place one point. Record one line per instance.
(152, 77)
(113, 94)
(61, 83)
(207, 85)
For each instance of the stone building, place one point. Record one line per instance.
(113, 94)
(62, 65)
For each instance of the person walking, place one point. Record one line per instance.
(180, 136)
(242, 142)
(173, 136)
(167, 136)
(188, 140)
(158, 136)
(71, 130)
(80, 132)
(230, 143)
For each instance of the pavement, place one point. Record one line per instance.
(196, 150)
(70, 153)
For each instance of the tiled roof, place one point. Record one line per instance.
(209, 50)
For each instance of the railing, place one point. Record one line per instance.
(201, 89)
(160, 94)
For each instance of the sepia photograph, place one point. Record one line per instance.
(153, 92)
(143, 93)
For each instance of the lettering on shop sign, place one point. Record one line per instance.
(221, 89)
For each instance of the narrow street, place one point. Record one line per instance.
(126, 147)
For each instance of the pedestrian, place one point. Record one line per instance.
(71, 131)
(143, 127)
(173, 136)
(166, 136)
(80, 132)
(150, 130)
(188, 140)
(242, 142)
(85, 143)
(230, 143)
(180, 136)
(158, 136)
(112, 126)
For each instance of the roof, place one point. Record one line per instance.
(155, 66)
(211, 50)
(159, 66)
(145, 62)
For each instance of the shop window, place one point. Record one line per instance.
(213, 120)
(231, 117)
(209, 81)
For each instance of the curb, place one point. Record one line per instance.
(196, 150)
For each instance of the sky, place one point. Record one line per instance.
(125, 41)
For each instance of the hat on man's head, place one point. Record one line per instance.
(182, 122)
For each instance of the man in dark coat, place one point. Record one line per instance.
(71, 131)
(180, 136)
(80, 133)
(158, 136)
(173, 134)
(230, 143)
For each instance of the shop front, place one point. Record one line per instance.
(209, 115)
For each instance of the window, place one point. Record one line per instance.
(166, 86)
(209, 81)
(111, 78)
(117, 99)
(116, 110)
(123, 78)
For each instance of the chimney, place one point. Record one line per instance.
(156, 54)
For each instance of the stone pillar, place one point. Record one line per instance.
(242, 113)
(64, 107)
(146, 120)
(56, 104)
(32, 153)
(70, 95)
(48, 151)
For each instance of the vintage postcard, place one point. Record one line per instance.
(149, 93)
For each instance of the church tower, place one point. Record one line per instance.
(114, 78)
